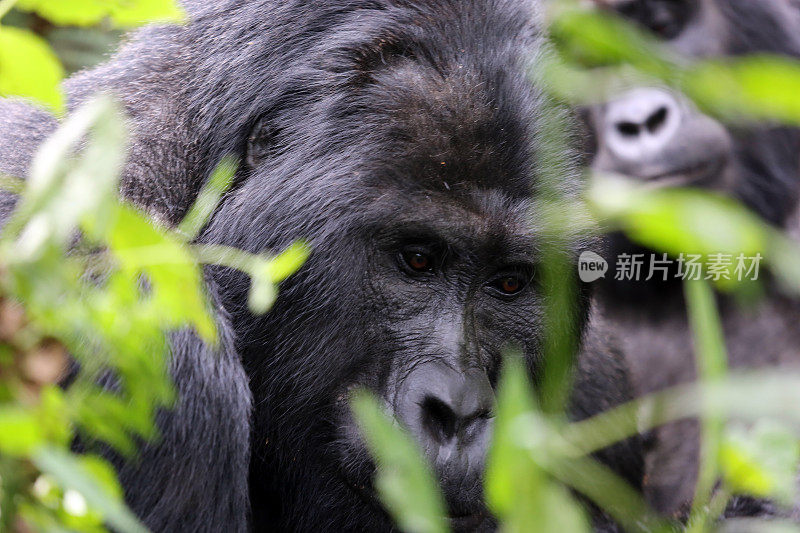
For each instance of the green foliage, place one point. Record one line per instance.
(30, 69)
(86, 274)
(761, 87)
(89, 12)
(94, 480)
(761, 460)
(404, 480)
(712, 365)
(518, 489)
(757, 87)
(64, 309)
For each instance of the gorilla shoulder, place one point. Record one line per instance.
(23, 127)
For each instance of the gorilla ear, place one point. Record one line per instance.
(260, 142)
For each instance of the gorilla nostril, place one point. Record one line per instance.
(628, 129)
(657, 120)
(639, 126)
(445, 406)
(439, 419)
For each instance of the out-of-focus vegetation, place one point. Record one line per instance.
(89, 289)
(42, 40)
(89, 286)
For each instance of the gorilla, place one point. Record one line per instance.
(400, 138)
(657, 137)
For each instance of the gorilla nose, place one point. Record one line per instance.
(449, 411)
(456, 406)
(641, 124)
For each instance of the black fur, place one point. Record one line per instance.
(363, 125)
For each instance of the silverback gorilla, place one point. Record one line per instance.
(657, 137)
(398, 137)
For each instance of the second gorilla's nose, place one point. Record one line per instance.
(641, 124)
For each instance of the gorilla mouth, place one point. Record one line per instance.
(687, 175)
(458, 520)
(463, 515)
(469, 522)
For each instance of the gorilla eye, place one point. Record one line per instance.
(509, 284)
(416, 261)
(666, 18)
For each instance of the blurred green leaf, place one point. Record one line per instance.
(505, 460)
(265, 274)
(174, 277)
(59, 195)
(80, 474)
(71, 13)
(89, 12)
(264, 271)
(53, 414)
(753, 87)
(730, 397)
(11, 184)
(762, 460)
(404, 481)
(287, 262)
(750, 525)
(20, 431)
(518, 491)
(104, 474)
(712, 365)
(676, 220)
(29, 68)
(135, 13)
(596, 38)
(694, 221)
(208, 199)
(709, 340)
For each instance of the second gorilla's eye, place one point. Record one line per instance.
(417, 261)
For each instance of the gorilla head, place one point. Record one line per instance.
(659, 137)
(401, 145)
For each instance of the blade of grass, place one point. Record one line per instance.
(208, 199)
(404, 480)
(712, 366)
(731, 397)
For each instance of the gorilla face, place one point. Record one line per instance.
(446, 277)
(452, 279)
(658, 137)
